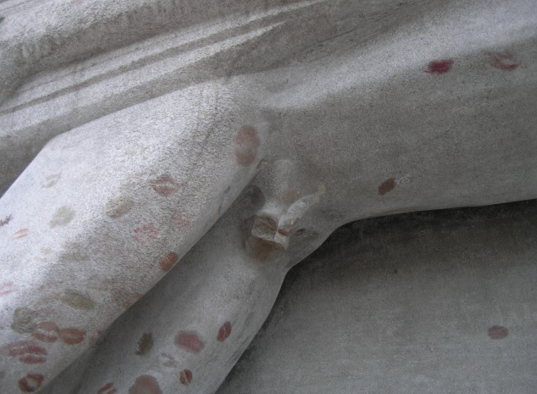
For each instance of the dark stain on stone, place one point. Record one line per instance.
(145, 344)
(77, 300)
(118, 207)
(498, 332)
(387, 186)
(73, 253)
(145, 384)
(51, 180)
(24, 320)
(260, 243)
(5, 221)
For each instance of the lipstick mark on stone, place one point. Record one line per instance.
(185, 377)
(145, 344)
(246, 145)
(47, 332)
(144, 234)
(62, 217)
(503, 61)
(31, 383)
(440, 66)
(224, 332)
(189, 341)
(6, 220)
(23, 232)
(24, 320)
(145, 384)
(72, 336)
(51, 180)
(7, 288)
(164, 185)
(387, 186)
(27, 351)
(118, 207)
(498, 332)
(108, 388)
(167, 261)
(77, 300)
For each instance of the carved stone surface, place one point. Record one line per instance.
(242, 133)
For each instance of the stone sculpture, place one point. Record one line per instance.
(277, 120)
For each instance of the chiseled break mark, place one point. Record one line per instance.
(145, 384)
(167, 261)
(6, 220)
(185, 377)
(77, 300)
(72, 336)
(164, 185)
(24, 321)
(224, 332)
(108, 388)
(387, 186)
(118, 207)
(246, 144)
(31, 383)
(145, 344)
(503, 61)
(439, 66)
(62, 217)
(498, 332)
(189, 341)
(51, 180)
(27, 351)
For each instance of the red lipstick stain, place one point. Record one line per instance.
(27, 351)
(167, 261)
(246, 144)
(503, 61)
(31, 383)
(145, 384)
(164, 185)
(47, 332)
(5, 222)
(440, 66)
(145, 233)
(498, 332)
(72, 336)
(189, 341)
(108, 388)
(224, 332)
(6, 288)
(387, 186)
(185, 377)
(23, 232)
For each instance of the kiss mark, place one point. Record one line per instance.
(51, 180)
(185, 377)
(93, 338)
(118, 207)
(503, 61)
(498, 332)
(164, 185)
(246, 144)
(27, 351)
(7, 288)
(224, 332)
(145, 384)
(47, 332)
(23, 232)
(62, 217)
(72, 336)
(439, 66)
(108, 388)
(189, 341)
(77, 300)
(32, 382)
(5, 222)
(180, 219)
(167, 261)
(387, 186)
(145, 233)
